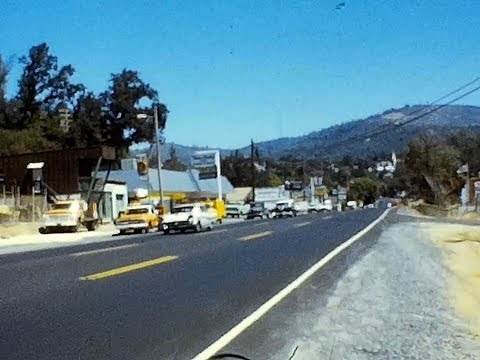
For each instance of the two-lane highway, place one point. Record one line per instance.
(165, 297)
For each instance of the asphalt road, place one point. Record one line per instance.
(156, 297)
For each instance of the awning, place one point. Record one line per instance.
(35, 165)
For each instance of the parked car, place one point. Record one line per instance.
(284, 208)
(320, 207)
(196, 217)
(237, 210)
(352, 204)
(258, 211)
(69, 215)
(138, 218)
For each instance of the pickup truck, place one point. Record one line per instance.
(258, 211)
(69, 215)
(285, 208)
(138, 218)
(196, 217)
(237, 210)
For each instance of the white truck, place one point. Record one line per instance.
(236, 210)
(320, 207)
(196, 217)
(69, 215)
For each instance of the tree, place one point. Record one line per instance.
(86, 128)
(363, 189)
(43, 86)
(3, 91)
(174, 163)
(22, 141)
(431, 164)
(122, 127)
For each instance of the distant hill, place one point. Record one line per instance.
(336, 141)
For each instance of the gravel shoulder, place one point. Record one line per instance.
(399, 301)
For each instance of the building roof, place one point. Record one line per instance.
(239, 194)
(172, 181)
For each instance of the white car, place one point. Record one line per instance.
(196, 217)
(320, 207)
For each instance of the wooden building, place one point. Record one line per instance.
(63, 171)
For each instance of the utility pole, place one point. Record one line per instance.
(159, 159)
(252, 168)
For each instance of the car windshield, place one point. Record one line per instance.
(182, 209)
(61, 206)
(137, 211)
(257, 207)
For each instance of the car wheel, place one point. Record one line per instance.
(123, 232)
(166, 232)
(198, 227)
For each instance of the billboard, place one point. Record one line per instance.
(206, 163)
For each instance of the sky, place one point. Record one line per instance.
(234, 70)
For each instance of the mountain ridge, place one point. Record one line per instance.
(353, 138)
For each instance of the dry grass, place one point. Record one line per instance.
(461, 248)
(18, 229)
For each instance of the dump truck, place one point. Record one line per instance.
(70, 215)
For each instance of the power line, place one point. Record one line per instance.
(418, 117)
(415, 118)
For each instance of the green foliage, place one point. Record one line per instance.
(54, 112)
(363, 189)
(121, 107)
(431, 165)
(43, 86)
(23, 141)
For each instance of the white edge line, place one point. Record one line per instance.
(91, 252)
(262, 310)
(302, 224)
(262, 223)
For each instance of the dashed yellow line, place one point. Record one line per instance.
(255, 236)
(128, 268)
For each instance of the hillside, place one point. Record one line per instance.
(336, 141)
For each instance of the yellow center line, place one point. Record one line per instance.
(255, 236)
(302, 224)
(128, 268)
(103, 250)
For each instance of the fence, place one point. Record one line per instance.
(20, 207)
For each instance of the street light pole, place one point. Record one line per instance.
(159, 159)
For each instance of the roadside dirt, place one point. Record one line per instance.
(460, 245)
(18, 229)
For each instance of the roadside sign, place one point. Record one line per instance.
(203, 160)
(296, 186)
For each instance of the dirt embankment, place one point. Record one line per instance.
(460, 245)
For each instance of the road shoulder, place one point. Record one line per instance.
(392, 301)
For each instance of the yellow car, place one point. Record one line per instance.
(138, 219)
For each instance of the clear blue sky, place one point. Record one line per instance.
(230, 70)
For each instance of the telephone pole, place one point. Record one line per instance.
(252, 168)
(159, 159)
